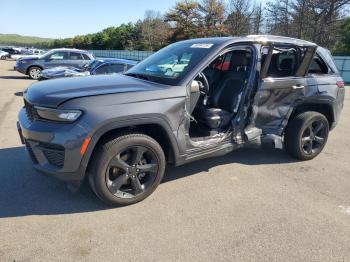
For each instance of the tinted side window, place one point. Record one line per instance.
(75, 56)
(86, 57)
(128, 66)
(102, 70)
(317, 66)
(117, 68)
(284, 63)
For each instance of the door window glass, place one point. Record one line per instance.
(75, 56)
(57, 56)
(284, 63)
(116, 68)
(102, 70)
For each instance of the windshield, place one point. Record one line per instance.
(91, 65)
(171, 64)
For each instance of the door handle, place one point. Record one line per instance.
(298, 87)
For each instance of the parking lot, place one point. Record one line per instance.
(251, 205)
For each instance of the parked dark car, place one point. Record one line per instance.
(95, 67)
(33, 65)
(10, 51)
(121, 131)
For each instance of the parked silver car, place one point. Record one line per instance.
(4, 55)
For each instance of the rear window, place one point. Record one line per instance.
(318, 66)
(327, 57)
(86, 57)
(75, 56)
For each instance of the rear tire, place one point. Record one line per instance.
(127, 169)
(306, 135)
(34, 72)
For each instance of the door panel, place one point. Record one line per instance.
(274, 101)
(283, 84)
(76, 60)
(56, 59)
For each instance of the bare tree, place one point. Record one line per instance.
(279, 17)
(154, 31)
(257, 18)
(239, 16)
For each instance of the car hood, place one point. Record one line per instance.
(55, 92)
(29, 57)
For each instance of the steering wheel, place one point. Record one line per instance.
(204, 87)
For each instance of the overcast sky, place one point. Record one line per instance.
(67, 18)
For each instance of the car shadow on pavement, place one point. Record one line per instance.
(25, 192)
(18, 94)
(244, 156)
(15, 77)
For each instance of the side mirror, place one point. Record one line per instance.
(195, 86)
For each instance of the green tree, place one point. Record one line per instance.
(343, 45)
(185, 20)
(213, 17)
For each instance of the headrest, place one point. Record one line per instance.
(239, 59)
(286, 64)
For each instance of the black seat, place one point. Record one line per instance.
(223, 104)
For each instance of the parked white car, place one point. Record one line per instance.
(4, 55)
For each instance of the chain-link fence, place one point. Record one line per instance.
(343, 65)
(122, 54)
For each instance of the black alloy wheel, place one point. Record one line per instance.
(126, 169)
(132, 172)
(306, 135)
(314, 137)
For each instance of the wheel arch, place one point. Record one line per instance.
(153, 127)
(29, 67)
(325, 108)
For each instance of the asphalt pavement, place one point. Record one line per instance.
(250, 205)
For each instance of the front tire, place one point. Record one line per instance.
(127, 169)
(306, 135)
(34, 72)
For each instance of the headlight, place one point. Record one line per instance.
(58, 115)
(23, 61)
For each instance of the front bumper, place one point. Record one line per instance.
(20, 68)
(54, 148)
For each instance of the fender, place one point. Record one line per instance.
(122, 122)
(326, 102)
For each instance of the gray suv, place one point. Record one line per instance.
(33, 65)
(214, 96)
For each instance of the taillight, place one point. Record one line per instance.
(340, 84)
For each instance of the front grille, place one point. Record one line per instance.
(53, 153)
(32, 114)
